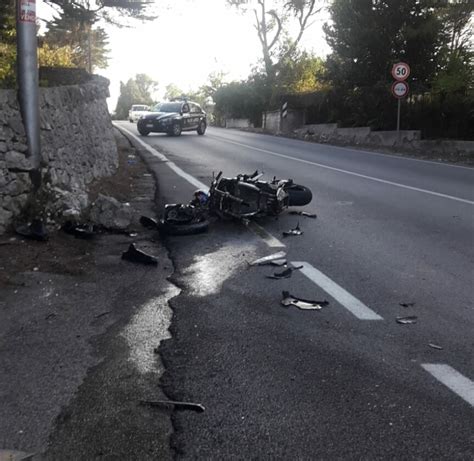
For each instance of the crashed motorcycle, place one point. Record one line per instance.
(242, 197)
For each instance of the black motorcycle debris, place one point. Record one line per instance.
(301, 303)
(134, 255)
(295, 231)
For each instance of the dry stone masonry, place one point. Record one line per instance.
(77, 146)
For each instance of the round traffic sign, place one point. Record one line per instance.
(400, 89)
(400, 71)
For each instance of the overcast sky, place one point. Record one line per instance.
(189, 40)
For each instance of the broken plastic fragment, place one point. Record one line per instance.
(35, 231)
(278, 262)
(295, 231)
(286, 274)
(407, 304)
(304, 304)
(268, 259)
(84, 231)
(149, 223)
(304, 213)
(407, 320)
(185, 405)
(138, 256)
(435, 346)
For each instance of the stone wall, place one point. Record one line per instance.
(237, 123)
(77, 147)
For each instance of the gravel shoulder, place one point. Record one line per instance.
(77, 336)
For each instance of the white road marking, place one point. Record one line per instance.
(352, 173)
(352, 304)
(191, 179)
(380, 154)
(271, 241)
(451, 378)
(268, 238)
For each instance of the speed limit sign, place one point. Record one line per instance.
(400, 71)
(400, 89)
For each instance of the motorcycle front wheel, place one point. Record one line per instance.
(298, 195)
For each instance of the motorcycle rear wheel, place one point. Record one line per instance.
(298, 195)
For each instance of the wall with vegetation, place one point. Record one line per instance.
(77, 147)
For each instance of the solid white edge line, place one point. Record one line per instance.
(452, 379)
(268, 238)
(191, 179)
(339, 170)
(271, 241)
(352, 304)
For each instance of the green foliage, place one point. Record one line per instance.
(137, 90)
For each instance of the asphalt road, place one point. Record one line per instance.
(346, 382)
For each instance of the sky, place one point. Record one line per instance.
(189, 40)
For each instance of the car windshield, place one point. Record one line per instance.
(168, 107)
(139, 107)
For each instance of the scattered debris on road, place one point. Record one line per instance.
(269, 259)
(98, 316)
(82, 231)
(286, 274)
(435, 346)
(304, 213)
(304, 304)
(295, 231)
(34, 231)
(138, 256)
(407, 304)
(407, 320)
(184, 405)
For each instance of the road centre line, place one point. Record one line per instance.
(352, 173)
(352, 304)
(452, 379)
(271, 241)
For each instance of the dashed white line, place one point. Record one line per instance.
(352, 304)
(352, 173)
(452, 379)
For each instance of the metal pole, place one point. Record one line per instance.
(398, 119)
(28, 91)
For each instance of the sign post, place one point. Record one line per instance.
(400, 88)
(27, 73)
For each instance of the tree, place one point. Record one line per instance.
(368, 36)
(173, 92)
(137, 90)
(272, 20)
(75, 31)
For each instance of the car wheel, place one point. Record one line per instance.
(201, 128)
(176, 129)
(143, 131)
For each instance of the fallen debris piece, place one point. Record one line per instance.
(185, 405)
(304, 304)
(34, 231)
(407, 320)
(295, 231)
(304, 213)
(98, 316)
(407, 304)
(138, 256)
(149, 223)
(268, 259)
(435, 346)
(82, 231)
(278, 262)
(286, 274)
